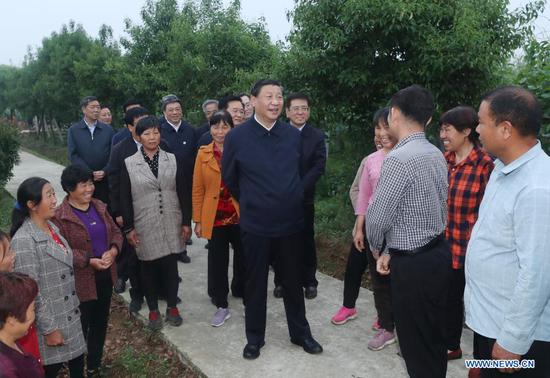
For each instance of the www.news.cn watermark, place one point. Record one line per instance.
(500, 364)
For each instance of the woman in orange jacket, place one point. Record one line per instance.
(216, 217)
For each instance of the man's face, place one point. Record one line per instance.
(490, 134)
(91, 110)
(210, 109)
(269, 103)
(248, 109)
(236, 109)
(132, 128)
(298, 112)
(173, 113)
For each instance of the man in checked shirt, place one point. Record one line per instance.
(409, 212)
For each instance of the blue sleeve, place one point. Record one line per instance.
(311, 177)
(74, 157)
(230, 167)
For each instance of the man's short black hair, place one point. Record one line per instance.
(224, 102)
(130, 102)
(221, 116)
(415, 102)
(144, 124)
(257, 87)
(86, 100)
(518, 106)
(73, 175)
(134, 113)
(296, 96)
(243, 94)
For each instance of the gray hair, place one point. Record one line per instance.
(208, 102)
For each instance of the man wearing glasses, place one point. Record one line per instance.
(89, 145)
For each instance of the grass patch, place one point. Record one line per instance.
(6, 206)
(46, 147)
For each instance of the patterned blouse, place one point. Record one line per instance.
(226, 214)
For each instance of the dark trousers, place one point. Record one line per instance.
(218, 262)
(309, 259)
(455, 309)
(539, 351)
(419, 286)
(134, 274)
(101, 191)
(381, 287)
(95, 316)
(122, 261)
(287, 252)
(157, 275)
(76, 368)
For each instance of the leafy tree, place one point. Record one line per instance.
(9, 152)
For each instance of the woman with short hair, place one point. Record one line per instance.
(95, 240)
(17, 294)
(43, 254)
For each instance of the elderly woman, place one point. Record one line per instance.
(95, 241)
(152, 198)
(43, 254)
(216, 216)
(17, 294)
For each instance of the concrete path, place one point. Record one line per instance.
(217, 352)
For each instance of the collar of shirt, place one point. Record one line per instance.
(147, 159)
(472, 158)
(264, 126)
(176, 127)
(413, 136)
(138, 144)
(519, 162)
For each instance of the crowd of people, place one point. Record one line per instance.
(449, 237)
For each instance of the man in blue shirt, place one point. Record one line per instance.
(507, 295)
(261, 168)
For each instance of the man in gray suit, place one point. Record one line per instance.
(89, 145)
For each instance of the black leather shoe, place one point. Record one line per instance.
(135, 306)
(278, 292)
(309, 344)
(310, 292)
(120, 286)
(252, 351)
(189, 242)
(184, 258)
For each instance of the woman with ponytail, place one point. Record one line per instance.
(46, 257)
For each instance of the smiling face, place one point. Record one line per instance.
(91, 110)
(453, 139)
(173, 113)
(105, 116)
(46, 208)
(219, 131)
(298, 112)
(236, 109)
(383, 135)
(83, 192)
(269, 103)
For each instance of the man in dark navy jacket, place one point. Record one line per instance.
(261, 167)
(182, 139)
(124, 132)
(89, 145)
(312, 166)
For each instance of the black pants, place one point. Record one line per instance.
(157, 275)
(455, 309)
(95, 317)
(419, 286)
(76, 368)
(287, 252)
(539, 351)
(381, 287)
(309, 259)
(135, 276)
(122, 261)
(218, 262)
(101, 191)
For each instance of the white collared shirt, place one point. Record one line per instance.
(176, 127)
(264, 126)
(91, 127)
(138, 145)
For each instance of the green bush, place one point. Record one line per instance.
(9, 152)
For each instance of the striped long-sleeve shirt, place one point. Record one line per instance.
(410, 204)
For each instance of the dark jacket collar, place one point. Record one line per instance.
(65, 211)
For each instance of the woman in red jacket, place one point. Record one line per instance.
(95, 241)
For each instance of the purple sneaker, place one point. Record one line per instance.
(381, 339)
(221, 315)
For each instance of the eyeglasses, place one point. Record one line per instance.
(298, 108)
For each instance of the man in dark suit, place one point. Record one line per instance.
(182, 139)
(234, 106)
(89, 145)
(209, 107)
(312, 166)
(124, 133)
(261, 168)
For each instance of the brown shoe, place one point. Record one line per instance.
(454, 354)
(474, 373)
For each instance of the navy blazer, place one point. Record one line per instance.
(92, 153)
(313, 160)
(120, 135)
(261, 168)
